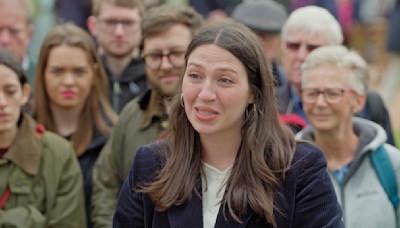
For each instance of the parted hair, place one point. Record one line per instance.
(97, 105)
(9, 60)
(131, 4)
(267, 145)
(160, 18)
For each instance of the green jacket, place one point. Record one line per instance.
(141, 122)
(45, 181)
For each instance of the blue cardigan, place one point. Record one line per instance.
(306, 198)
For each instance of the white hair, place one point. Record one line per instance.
(314, 20)
(343, 58)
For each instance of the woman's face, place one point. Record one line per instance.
(215, 91)
(12, 97)
(334, 109)
(68, 77)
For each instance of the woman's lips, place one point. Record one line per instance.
(205, 114)
(68, 94)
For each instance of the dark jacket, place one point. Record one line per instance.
(394, 29)
(306, 197)
(285, 103)
(130, 84)
(86, 162)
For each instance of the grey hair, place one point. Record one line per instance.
(314, 20)
(26, 5)
(343, 58)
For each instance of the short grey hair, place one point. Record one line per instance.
(314, 20)
(343, 58)
(26, 5)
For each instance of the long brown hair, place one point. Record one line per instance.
(267, 145)
(97, 102)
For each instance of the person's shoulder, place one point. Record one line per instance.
(394, 154)
(150, 158)
(307, 155)
(56, 146)
(130, 112)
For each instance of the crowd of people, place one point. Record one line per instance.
(250, 113)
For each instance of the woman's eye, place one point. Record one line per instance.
(225, 80)
(11, 92)
(195, 76)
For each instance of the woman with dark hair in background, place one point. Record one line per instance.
(40, 179)
(71, 96)
(227, 161)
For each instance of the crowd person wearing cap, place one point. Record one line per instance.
(167, 31)
(227, 161)
(334, 85)
(265, 18)
(40, 178)
(306, 29)
(116, 26)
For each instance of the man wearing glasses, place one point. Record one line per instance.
(167, 31)
(116, 26)
(306, 29)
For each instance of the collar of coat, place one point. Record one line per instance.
(151, 104)
(26, 150)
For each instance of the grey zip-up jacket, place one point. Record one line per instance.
(364, 201)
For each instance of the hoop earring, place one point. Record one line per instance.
(182, 104)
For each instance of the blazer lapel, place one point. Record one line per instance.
(189, 214)
(231, 223)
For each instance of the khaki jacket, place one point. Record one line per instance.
(140, 123)
(45, 181)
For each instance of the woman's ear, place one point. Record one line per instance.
(26, 92)
(359, 103)
(251, 98)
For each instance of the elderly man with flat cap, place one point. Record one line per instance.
(265, 18)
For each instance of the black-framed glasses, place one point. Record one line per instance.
(331, 95)
(295, 46)
(154, 60)
(110, 24)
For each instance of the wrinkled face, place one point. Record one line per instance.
(117, 30)
(296, 48)
(15, 33)
(173, 42)
(68, 77)
(326, 116)
(216, 91)
(12, 97)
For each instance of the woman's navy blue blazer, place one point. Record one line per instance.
(305, 199)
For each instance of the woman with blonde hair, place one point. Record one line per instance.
(70, 96)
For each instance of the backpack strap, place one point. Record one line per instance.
(385, 172)
(376, 108)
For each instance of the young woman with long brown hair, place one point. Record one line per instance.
(228, 161)
(70, 96)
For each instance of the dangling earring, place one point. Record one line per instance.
(182, 104)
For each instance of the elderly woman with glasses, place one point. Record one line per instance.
(334, 84)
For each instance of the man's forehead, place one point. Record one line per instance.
(303, 36)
